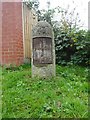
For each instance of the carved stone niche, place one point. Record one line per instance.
(43, 52)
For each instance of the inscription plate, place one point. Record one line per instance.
(42, 51)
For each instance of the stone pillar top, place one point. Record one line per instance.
(42, 29)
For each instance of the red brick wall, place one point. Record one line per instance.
(12, 33)
(0, 32)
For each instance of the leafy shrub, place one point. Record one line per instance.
(72, 47)
(64, 46)
(82, 52)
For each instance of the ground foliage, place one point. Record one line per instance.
(64, 96)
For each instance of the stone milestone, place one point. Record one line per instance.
(43, 50)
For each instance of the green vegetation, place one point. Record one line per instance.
(65, 96)
(72, 47)
(72, 43)
(0, 92)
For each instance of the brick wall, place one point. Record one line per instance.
(12, 33)
(0, 32)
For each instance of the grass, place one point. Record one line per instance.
(0, 92)
(65, 96)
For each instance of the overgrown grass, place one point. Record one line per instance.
(65, 96)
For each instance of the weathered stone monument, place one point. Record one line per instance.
(43, 51)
